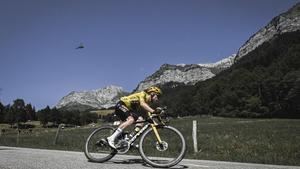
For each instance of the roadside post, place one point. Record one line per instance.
(57, 133)
(18, 136)
(194, 135)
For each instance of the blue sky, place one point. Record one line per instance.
(125, 41)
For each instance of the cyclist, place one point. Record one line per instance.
(128, 108)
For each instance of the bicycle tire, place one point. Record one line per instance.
(172, 137)
(92, 149)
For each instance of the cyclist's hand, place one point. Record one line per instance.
(158, 110)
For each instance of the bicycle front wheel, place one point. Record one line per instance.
(165, 154)
(96, 148)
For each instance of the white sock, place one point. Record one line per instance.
(115, 134)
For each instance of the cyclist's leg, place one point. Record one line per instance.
(140, 118)
(137, 126)
(127, 119)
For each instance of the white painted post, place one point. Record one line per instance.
(18, 136)
(195, 136)
(57, 133)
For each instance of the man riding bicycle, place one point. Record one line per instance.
(128, 109)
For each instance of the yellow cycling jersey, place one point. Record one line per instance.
(133, 101)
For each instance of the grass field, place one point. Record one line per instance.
(104, 112)
(269, 141)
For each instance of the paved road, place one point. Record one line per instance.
(25, 158)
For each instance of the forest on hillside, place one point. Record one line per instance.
(19, 112)
(264, 83)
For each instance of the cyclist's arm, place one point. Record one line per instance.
(145, 106)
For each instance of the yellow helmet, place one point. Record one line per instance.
(154, 89)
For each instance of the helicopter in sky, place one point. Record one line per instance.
(80, 46)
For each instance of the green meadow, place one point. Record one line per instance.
(267, 141)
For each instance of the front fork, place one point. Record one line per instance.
(156, 133)
(155, 130)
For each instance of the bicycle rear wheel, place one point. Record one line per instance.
(96, 148)
(167, 154)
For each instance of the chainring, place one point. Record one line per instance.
(123, 146)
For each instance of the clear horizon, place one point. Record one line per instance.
(124, 41)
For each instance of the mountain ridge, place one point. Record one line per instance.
(188, 74)
(107, 97)
(102, 98)
(288, 21)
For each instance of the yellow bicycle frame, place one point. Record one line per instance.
(155, 129)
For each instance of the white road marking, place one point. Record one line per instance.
(195, 165)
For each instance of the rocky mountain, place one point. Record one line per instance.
(188, 74)
(95, 99)
(286, 22)
(264, 80)
(264, 83)
(108, 96)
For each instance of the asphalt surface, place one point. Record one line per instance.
(25, 158)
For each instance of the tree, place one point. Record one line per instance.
(9, 115)
(43, 115)
(87, 117)
(18, 110)
(55, 116)
(289, 89)
(30, 112)
(2, 112)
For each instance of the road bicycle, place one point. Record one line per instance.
(159, 145)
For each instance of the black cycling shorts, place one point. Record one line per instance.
(123, 112)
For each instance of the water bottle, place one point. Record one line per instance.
(136, 130)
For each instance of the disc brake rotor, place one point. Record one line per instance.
(102, 143)
(163, 146)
